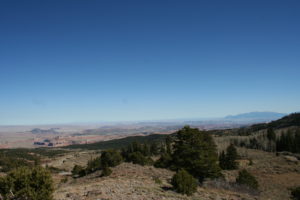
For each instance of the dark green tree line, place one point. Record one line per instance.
(289, 142)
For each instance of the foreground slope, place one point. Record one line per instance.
(129, 181)
(275, 174)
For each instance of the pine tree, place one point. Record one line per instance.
(168, 144)
(297, 141)
(195, 151)
(164, 161)
(222, 160)
(154, 149)
(228, 160)
(231, 157)
(289, 142)
(271, 140)
(271, 134)
(136, 147)
(146, 150)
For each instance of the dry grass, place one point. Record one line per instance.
(129, 181)
(275, 174)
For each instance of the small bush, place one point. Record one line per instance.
(111, 158)
(106, 171)
(250, 162)
(245, 178)
(157, 180)
(64, 180)
(184, 183)
(295, 193)
(78, 171)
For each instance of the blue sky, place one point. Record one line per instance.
(80, 61)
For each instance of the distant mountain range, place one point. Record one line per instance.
(256, 116)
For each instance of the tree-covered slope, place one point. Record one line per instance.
(119, 143)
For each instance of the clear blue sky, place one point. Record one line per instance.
(80, 61)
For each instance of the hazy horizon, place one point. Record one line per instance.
(86, 61)
(99, 122)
